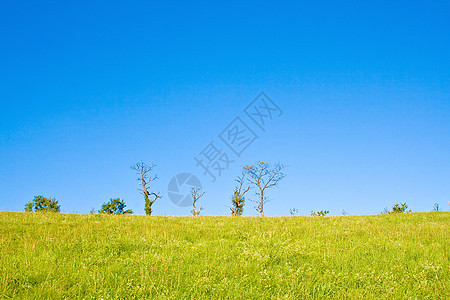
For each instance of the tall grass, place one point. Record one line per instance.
(106, 256)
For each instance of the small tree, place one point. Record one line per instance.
(293, 211)
(43, 204)
(264, 176)
(145, 180)
(196, 193)
(238, 199)
(115, 206)
(436, 207)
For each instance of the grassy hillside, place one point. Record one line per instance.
(100, 256)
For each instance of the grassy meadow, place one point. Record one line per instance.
(66, 256)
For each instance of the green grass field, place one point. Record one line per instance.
(53, 256)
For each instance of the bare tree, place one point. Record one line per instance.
(145, 180)
(238, 199)
(264, 176)
(196, 193)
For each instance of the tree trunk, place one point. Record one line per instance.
(261, 203)
(148, 204)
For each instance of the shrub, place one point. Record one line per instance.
(42, 204)
(29, 207)
(321, 213)
(396, 209)
(115, 206)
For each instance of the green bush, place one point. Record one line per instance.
(397, 209)
(115, 206)
(321, 213)
(42, 204)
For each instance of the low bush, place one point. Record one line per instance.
(396, 209)
(42, 204)
(321, 213)
(116, 207)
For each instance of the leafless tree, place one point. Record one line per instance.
(196, 193)
(238, 199)
(145, 179)
(264, 176)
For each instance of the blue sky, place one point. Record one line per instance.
(87, 89)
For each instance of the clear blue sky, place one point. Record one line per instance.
(87, 89)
